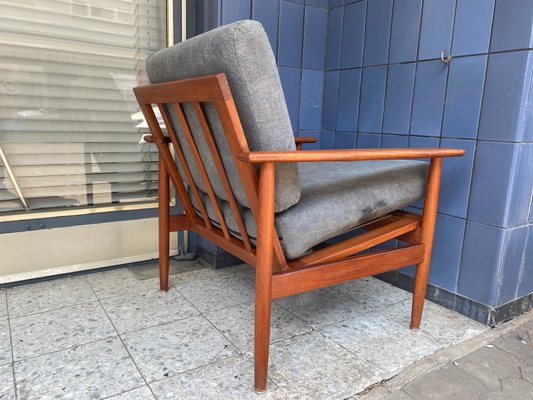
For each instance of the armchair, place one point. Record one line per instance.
(245, 187)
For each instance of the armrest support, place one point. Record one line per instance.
(259, 157)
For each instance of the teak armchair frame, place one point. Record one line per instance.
(275, 276)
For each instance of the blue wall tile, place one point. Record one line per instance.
(456, 178)
(398, 101)
(267, 12)
(423, 142)
(311, 96)
(526, 283)
(463, 97)
(335, 3)
(372, 99)
(333, 57)
(394, 141)
(353, 31)
(405, 29)
(522, 193)
(290, 81)
(377, 35)
(473, 23)
(515, 243)
(290, 34)
(428, 103)
(348, 103)
(446, 254)
(368, 141)
(331, 88)
(235, 10)
(437, 25)
(505, 92)
(480, 262)
(344, 140)
(512, 25)
(493, 174)
(315, 32)
(318, 3)
(528, 126)
(327, 140)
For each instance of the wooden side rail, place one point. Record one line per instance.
(301, 280)
(346, 155)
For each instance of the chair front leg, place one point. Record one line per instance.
(263, 280)
(427, 229)
(163, 219)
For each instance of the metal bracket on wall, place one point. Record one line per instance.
(445, 56)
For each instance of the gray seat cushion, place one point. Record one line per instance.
(336, 197)
(242, 51)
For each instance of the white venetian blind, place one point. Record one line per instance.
(69, 128)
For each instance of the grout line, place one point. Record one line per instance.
(474, 156)
(415, 69)
(386, 83)
(15, 389)
(123, 344)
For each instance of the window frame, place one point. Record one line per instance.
(176, 20)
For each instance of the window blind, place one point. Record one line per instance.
(70, 130)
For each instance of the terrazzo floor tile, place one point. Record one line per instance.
(119, 282)
(7, 388)
(237, 324)
(322, 307)
(218, 293)
(143, 310)
(49, 295)
(312, 367)
(59, 329)
(369, 293)
(382, 342)
(241, 271)
(91, 371)
(232, 378)
(5, 343)
(3, 304)
(142, 393)
(447, 326)
(169, 349)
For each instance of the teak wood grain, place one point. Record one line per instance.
(275, 276)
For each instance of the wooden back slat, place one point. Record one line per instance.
(168, 160)
(201, 168)
(231, 124)
(183, 161)
(222, 175)
(208, 89)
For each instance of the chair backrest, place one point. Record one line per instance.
(242, 52)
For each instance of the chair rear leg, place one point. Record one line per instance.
(426, 237)
(263, 281)
(163, 219)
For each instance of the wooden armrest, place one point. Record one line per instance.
(346, 155)
(303, 139)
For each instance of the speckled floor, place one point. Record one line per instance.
(113, 335)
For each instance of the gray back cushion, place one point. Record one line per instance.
(240, 50)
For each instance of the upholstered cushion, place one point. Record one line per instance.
(336, 197)
(240, 50)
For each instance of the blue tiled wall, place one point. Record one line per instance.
(367, 73)
(298, 33)
(394, 91)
